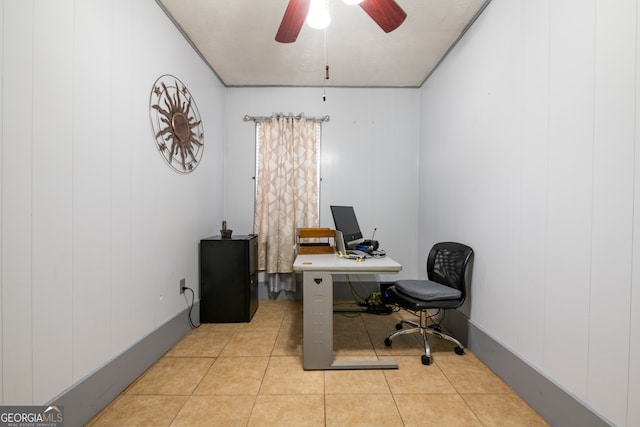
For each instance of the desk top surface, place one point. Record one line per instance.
(331, 262)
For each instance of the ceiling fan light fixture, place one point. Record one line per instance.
(318, 16)
(352, 2)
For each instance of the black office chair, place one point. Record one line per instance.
(449, 273)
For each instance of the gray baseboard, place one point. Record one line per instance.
(85, 399)
(555, 405)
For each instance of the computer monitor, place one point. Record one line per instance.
(344, 218)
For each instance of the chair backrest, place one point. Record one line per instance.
(448, 264)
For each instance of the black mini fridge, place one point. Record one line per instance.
(228, 279)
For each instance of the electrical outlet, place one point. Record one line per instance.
(183, 283)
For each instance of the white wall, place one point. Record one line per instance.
(368, 159)
(528, 154)
(96, 229)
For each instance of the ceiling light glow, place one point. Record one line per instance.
(318, 16)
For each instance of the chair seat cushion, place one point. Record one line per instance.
(427, 290)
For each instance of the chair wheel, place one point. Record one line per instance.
(387, 342)
(426, 360)
(459, 350)
(398, 326)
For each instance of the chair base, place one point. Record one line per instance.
(424, 330)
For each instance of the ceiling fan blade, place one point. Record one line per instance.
(386, 13)
(292, 21)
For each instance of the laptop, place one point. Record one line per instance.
(340, 247)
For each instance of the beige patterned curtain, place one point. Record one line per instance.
(287, 189)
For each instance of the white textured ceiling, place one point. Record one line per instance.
(236, 38)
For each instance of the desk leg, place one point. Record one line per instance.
(318, 319)
(317, 338)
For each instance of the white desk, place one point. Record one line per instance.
(317, 276)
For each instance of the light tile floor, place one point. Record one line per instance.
(250, 374)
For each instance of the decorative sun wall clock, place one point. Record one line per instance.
(176, 124)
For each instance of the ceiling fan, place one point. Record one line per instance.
(386, 13)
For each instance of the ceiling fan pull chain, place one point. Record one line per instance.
(326, 77)
(326, 68)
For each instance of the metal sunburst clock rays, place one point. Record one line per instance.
(176, 124)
